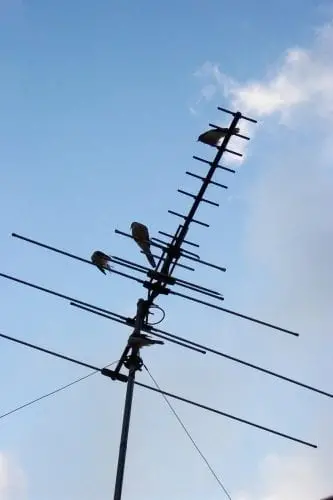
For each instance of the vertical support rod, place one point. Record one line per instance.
(124, 434)
(133, 363)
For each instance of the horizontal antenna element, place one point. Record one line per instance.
(194, 197)
(185, 217)
(233, 113)
(185, 241)
(237, 135)
(202, 178)
(216, 166)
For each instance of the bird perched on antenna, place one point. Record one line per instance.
(214, 135)
(140, 235)
(101, 261)
(140, 340)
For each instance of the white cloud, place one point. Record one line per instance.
(12, 478)
(291, 478)
(214, 82)
(304, 77)
(290, 225)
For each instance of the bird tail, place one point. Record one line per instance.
(150, 257)
(142, 341)
(150, 342)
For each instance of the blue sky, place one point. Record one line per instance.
(97, 131)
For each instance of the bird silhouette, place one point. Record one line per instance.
(101, 261)
(140, 235)
(214, 135)
(140, 340)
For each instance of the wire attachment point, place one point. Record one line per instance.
(133, 361)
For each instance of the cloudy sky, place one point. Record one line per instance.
(101, 102)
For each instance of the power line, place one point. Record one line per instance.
(59, 389)
(189, 436)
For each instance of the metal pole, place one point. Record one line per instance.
(133, 363)
(124, 434)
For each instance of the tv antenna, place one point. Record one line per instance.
(159, 279)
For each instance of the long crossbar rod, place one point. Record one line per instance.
(228, 415)
(154, 329)
(92, 308)
(185, 256)
(177, 280)
(234, 313)
(123, 378)
(145, 329)
(81, 259)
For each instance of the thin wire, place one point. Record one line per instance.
(59, 389)
(189, 435)
(154, 306)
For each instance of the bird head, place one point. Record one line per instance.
(97, 254)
